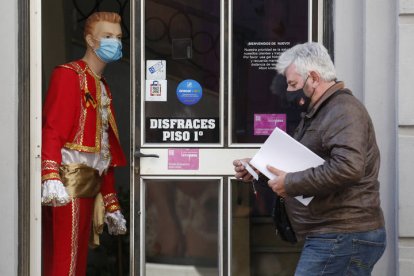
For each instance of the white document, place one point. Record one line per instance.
(285, 153)
(250, 170)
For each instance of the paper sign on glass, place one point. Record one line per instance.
(264, 124)
(183, 159)
(155, 90)
(285, 153)
(156, 70)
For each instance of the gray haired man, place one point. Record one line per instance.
(343, 226)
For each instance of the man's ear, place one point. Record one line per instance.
(316, 78)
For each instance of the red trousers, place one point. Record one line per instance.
(65, 236)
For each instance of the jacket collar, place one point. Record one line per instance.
(328, 93)
(87, 69)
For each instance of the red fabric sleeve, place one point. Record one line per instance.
(108, 191)
(60, 110)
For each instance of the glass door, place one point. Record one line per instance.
(180, 126)
(182, 102)
(206, 94)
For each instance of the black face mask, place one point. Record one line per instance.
(298, 99)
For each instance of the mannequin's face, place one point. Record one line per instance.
(103, 29)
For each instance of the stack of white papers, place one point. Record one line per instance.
(285, 153)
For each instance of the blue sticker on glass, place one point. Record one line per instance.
(189, 92)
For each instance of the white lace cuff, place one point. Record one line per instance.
(116, 223)
(54, 193)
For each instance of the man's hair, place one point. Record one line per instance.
(310, 56)
(96, 17)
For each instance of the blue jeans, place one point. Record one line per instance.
(341, 253)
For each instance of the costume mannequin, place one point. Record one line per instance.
(80, 148)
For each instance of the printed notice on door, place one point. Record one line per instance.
(182, 130)
(183, 159)
(264, 124)
(264, 54)
(155, 90)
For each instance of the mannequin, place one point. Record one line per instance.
(80, 148)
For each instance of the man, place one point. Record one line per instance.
(343, 226)
(80, 148)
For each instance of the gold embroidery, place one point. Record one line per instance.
(78, 147)
(74, 243)
(110, 199)
(79, 136)
(78, 139)
(67, 67)
(50, 165)
(113, 208)
(83, 85)
(98, 115)
(50, 176)
(77, 143)
(82, 118)
(93, 73)
(109, 195)
(113, 124)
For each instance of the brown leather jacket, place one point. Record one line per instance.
(345, 188)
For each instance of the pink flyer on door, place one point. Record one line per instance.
(183, 159)
(264, 124)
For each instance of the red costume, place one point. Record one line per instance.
(72, 119)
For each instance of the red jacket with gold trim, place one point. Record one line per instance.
(72, 119)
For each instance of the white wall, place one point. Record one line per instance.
(405, 74)
(8, 140)
(365, 57)
(380, 99)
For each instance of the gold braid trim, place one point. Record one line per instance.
(111, 203)
(78, 147)
(113, 124)
(113, 208)
(74, 243)
(98, 114)
(50, 176)
(78, 139)
(83, 83)
(110, 199)
(50, 165)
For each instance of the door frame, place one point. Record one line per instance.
(35, 135)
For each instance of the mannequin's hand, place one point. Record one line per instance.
(116, 223)
(54, 193)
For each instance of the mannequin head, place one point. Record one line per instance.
(98, 26)
(100, 17)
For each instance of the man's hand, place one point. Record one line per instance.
(277, 184)
(241, 172)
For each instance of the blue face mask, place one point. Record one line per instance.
(110, 49)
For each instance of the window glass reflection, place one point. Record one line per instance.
(256, 249)
(182, 225)
(185, 36)
(262, 30)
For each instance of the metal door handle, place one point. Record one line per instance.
(139, 154)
